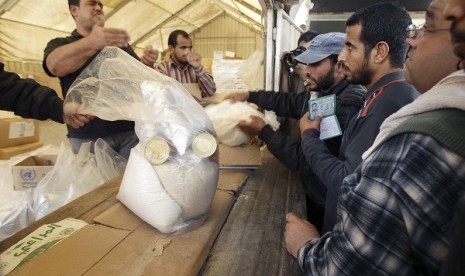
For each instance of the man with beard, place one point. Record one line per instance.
(67, 57)
(373, 55)
(395, 213)
(324, 76)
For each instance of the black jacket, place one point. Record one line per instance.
(358, 137)
(286, 149)
(28, 99)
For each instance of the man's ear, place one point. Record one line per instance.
(171, 49)
(73, 10)
(380, 52)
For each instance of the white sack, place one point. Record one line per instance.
(226, 115)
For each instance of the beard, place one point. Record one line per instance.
(326, 82)
(361, 76)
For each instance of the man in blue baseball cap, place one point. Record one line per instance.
(324, 76)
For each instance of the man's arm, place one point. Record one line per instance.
(206, 83)
(29, 99)
(68, 58)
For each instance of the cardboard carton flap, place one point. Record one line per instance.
(120, 217)
(240, 157)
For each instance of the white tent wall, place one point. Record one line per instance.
(225, 33)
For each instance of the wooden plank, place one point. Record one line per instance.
(94, 200)
(252, 242)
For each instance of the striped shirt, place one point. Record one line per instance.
(185, 73)
(394, 214)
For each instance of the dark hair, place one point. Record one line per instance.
(333, 59)
(383, 22)
(307, 36)
(73, 2)
(173, 38)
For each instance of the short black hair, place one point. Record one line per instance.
(73, 2)
(384, 22)
(173, 38)
(307, 36)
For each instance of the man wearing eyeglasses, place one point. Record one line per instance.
(395, 212)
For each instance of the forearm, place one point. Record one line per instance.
(288, 105)
(286, 149)
(69, 58)
(329, 168)
(206, 82)
(28, 99)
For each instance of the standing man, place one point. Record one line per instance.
(184, 65)
(373, 56)
(395, 213)
(323, 75)
(67, 57)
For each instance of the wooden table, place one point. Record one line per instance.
(250, 242)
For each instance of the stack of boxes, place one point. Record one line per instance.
(18, 135)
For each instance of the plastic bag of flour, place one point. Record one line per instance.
(171, 175)
(226, 115)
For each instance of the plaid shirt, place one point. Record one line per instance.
(185, 73)
(394, 215)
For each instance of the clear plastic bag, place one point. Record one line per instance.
(171, 176)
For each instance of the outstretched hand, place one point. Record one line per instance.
(252, 127)
(149, 56)
(297, 233)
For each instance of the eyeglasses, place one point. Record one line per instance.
(413, 31)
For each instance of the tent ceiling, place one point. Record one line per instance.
(32, 23)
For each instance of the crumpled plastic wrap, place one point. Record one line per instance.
(16, 211)
(74, 175)
(171, 175)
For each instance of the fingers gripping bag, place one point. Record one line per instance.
(171, 175)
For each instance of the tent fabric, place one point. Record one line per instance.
(27, 25)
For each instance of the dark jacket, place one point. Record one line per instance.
(391, 93)
(286, 149)
(96, 127)
(28, 99)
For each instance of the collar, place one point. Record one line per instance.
(398, 75)
(174, 62)
(337, 89)
(76, 35)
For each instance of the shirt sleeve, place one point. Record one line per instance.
(206, 83)
(29, 99)
(394, 213)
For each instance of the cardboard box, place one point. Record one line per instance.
(18, 131)
(240, 157)
(7, 153)
(29, 172)
(37, 242)
(122, 244)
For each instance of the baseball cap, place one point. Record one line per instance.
(322, 46)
